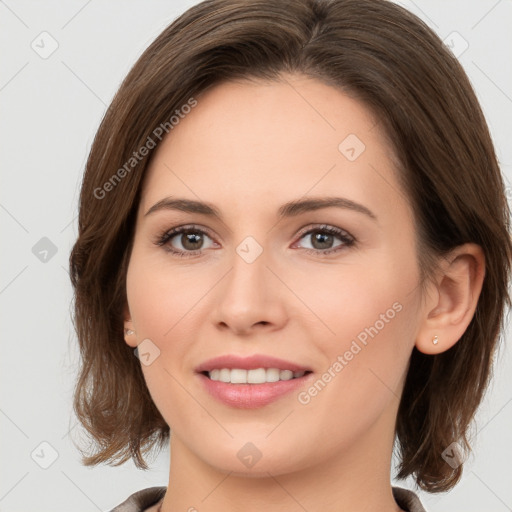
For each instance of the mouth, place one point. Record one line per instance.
(251, 382)
(253, 388)
(253, 376)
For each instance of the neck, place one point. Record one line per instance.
(355, 478)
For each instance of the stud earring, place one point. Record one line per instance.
(435, 340)
(129, 332)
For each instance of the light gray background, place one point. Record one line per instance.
(51, 109)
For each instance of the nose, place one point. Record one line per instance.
(250, 298)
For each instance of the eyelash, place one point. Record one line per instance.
(347, 239)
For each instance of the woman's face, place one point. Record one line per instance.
(332, 289)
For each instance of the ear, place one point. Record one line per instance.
(130, 335)
(452, 299)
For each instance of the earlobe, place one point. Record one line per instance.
(130, 336)
(447, 316)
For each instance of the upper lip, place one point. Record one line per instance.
(249, 363)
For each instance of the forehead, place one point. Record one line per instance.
(261, 140)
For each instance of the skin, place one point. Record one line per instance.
(247, 148)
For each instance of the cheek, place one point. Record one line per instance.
(368, 315)
(162, 298)
(161, 302)
(344, 300)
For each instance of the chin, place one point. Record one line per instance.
(250, 462)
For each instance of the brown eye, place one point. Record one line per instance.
(191, 241)
(326, 239)
(322, 241)
(185, 241)
(188, 240)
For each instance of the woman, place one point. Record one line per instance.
(293, 216)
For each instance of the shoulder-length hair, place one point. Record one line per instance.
(378, 53)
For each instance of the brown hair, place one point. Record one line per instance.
(390, 60)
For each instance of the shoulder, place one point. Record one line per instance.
(407, 500)
(145, 498)
(141, 500)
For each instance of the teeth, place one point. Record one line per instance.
(257, 376)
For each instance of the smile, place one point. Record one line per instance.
(254, 376)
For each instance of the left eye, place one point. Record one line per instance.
(324, 239)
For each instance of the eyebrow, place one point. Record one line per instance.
(290, 209)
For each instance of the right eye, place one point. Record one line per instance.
(184, 241)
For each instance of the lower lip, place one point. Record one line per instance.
(251, 396)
